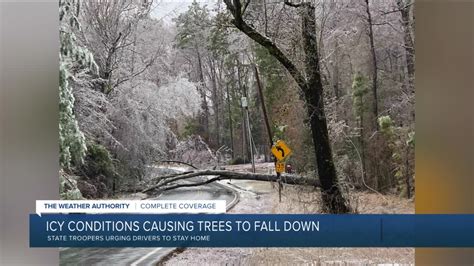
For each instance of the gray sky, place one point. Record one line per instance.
(169, 9)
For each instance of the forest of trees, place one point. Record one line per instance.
(336, 77)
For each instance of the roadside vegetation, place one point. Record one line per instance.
(335, 78)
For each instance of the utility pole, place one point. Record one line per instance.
(264, 109)
(247, 122)
(242, 94)
(267, 124)
(229, 110)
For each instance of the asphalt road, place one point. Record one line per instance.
(144, 256)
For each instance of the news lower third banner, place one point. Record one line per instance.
(250, 230)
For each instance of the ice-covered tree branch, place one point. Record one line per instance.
(227, 175)
(234, 6)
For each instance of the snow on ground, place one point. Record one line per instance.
(301, 200)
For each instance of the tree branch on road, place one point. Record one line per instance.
(164, 182)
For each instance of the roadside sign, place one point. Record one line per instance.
(280, 167)
(280, 150)
(244, 102)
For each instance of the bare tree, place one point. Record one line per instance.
(370, 33)
(111, 26)
(311, 85)
(408, 40)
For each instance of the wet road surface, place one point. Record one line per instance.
(143, 256)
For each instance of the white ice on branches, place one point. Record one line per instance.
(74, 60)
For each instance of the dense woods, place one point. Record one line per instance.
(336, 80)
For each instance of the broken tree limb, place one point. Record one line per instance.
(191, 184)
(178, 162)
(226, 175)
(162, 180)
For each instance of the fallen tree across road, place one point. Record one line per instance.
(168, 182)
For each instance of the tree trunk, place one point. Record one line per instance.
(264, 108)
(245, 151)
(313, 92)
(205, 108)
(107, 72)
(407, 171)
(231, 126)
(336, 71)
(312, 88)
(169, 182)
(362, 145)
(215, 102)
(373, 140)
(409, 46)
(374, 65)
